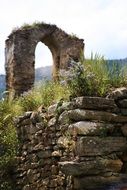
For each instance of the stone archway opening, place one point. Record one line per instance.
(43, 63)
(20, 54)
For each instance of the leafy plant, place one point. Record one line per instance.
(94, 77)
(8, 138)
(43, 94)
(97, 74)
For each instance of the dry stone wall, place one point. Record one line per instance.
(20, 54)
(80, 145)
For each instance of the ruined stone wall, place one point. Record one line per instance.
(81, 145)
(20, 54)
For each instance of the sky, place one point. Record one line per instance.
(101, 23)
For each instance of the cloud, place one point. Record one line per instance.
(102, 24)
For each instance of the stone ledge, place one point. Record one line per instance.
(97, 182)
(96, 103)
(81, 115)
(95, 146)
(90, 128)
(94, 167)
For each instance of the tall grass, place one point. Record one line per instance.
(43, 94)
(97, 74)
(8, 138)
(95, 77)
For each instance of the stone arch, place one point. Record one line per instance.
(20, 54)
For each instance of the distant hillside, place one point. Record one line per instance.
(43, 73)
(2, 81)
(120, 62)
(2, 84)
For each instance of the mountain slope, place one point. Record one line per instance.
(2, 84)
(43, 73)
(2, 81)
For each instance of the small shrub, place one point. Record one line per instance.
(8, 138)
(94, 77)
(72, 35)
(43, 94)
(8, 141)
(97, 75)
(77, 81)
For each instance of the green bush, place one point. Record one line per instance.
(77, 81)
(43, 94)
(8, 138)
(97, 74)
(94, 77)
(8, 141)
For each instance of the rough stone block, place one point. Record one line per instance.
(90, 128)
(52, 110)
(123, 111)
(122, 103)
(124, 130)
(81, 115)
(92, 167)
(96, 182)
(64, 118)
(95, 146)
(119, 93)
(44, 154)
(96, 103)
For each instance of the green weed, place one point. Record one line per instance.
(94, 77)
(43, 94)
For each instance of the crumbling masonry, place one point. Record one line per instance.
(20, 54)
